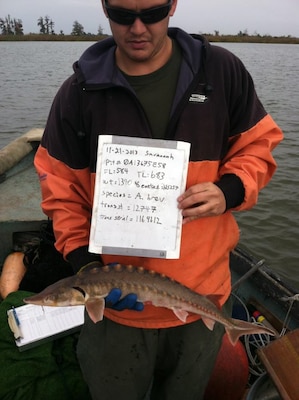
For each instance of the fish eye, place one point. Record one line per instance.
(50, 298)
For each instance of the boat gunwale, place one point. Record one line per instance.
(15, 151)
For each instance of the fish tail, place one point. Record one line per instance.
(239, 328)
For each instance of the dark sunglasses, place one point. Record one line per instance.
(122, 16)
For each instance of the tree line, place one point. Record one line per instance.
(12, 29)
(13, 26)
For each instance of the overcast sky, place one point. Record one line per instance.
(273, 17)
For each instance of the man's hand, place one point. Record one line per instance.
(128, 302)
(114, 301)
(202, 200)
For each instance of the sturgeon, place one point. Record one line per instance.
(91, 285)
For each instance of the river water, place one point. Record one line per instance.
(31, 73)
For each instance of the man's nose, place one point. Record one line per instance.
(138, 26)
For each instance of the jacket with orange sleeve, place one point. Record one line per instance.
(215, 108)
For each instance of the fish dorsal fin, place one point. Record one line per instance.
(181, 314)
(95, 309)
(209, 323)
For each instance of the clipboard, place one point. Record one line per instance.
(33, 325)
(137, 184)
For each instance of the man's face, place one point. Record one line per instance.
(140, 43)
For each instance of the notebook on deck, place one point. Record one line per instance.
(33, 325)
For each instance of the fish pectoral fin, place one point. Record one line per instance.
(95, 309)
(209, 323)
(181, 314)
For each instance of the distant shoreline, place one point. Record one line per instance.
(94, 38)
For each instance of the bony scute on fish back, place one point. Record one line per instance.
(91, 285)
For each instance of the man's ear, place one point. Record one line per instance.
(104, 9)
(173, 7)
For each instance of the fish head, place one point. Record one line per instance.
(59, 294)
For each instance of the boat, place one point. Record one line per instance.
(259, 294)
(20, 199)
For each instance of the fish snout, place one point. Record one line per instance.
(61, 297)
(42, 300)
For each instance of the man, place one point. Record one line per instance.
(155, 82)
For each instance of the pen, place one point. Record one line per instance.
(17, 325)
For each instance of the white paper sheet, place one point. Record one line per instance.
(137, 185)
(37, 323)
